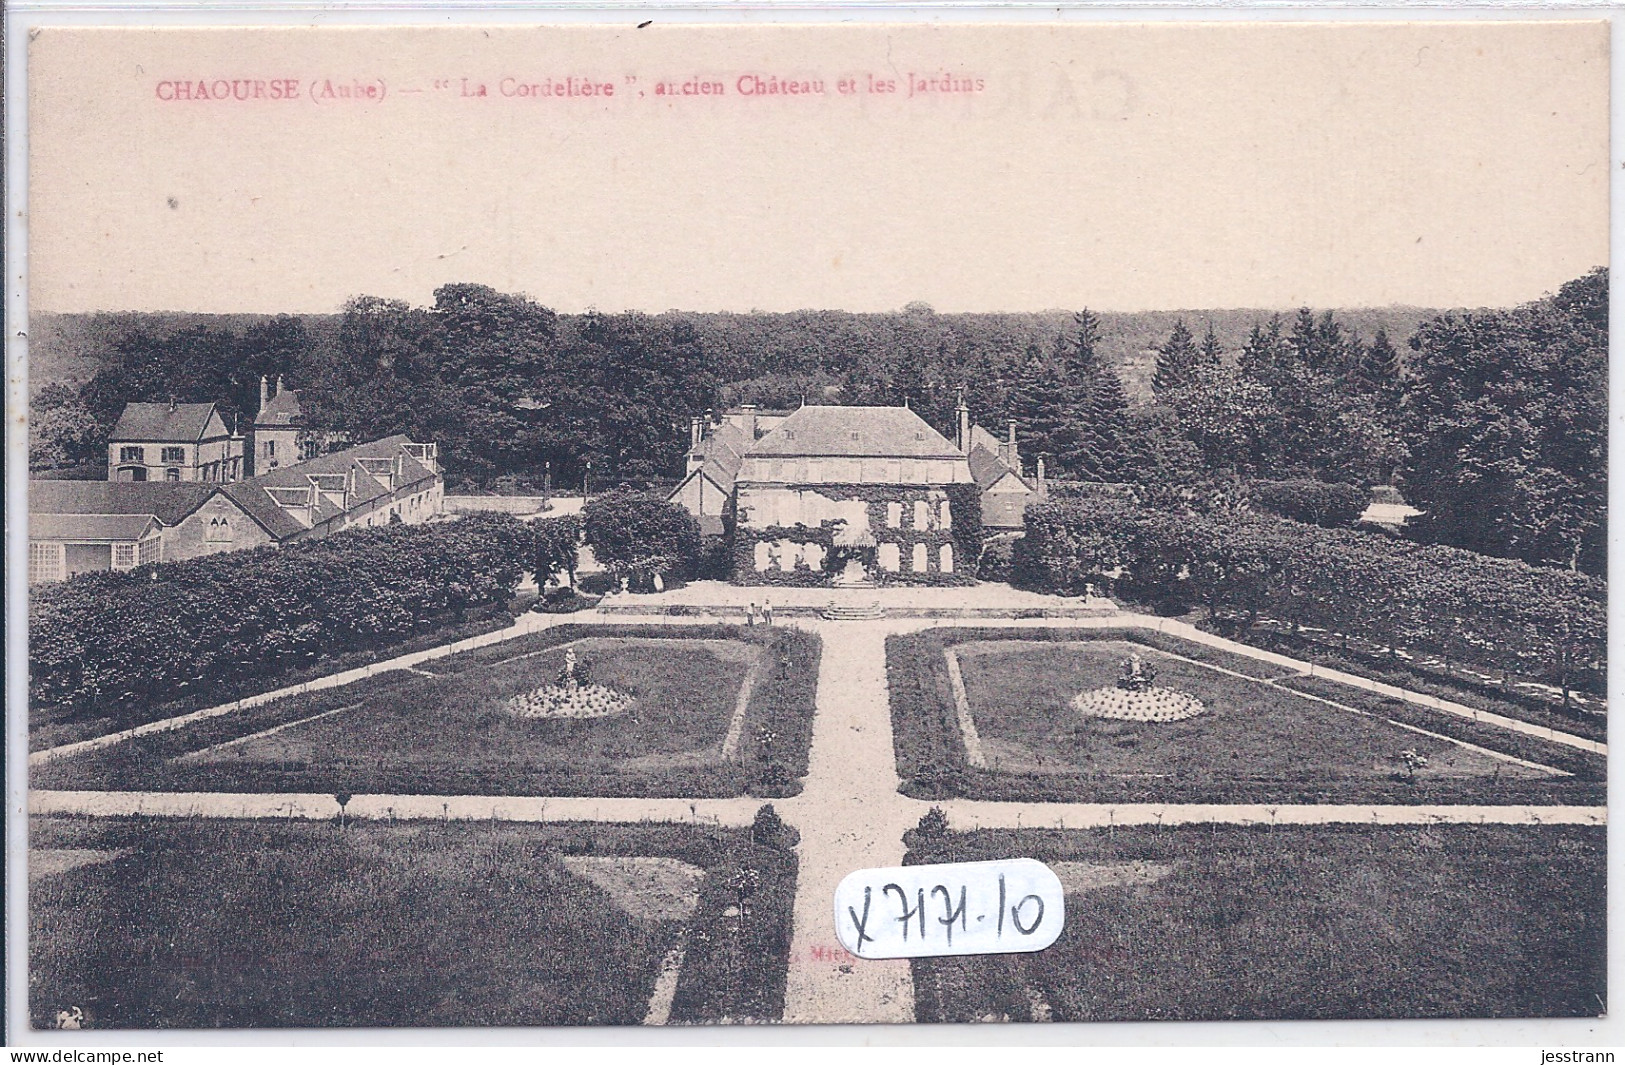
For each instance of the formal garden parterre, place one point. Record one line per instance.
(1215, 922)
(713, 711)
(202, 923)
(1265, 733)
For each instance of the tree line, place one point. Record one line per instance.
(1492, 421)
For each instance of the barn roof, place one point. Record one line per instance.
(283, 409)
(168, 501)
(987, 469)
(92, 528)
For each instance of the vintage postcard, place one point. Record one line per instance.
(560, 525)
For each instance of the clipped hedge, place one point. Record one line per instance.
(111, 643)
(1466, 607)
(1334, 506)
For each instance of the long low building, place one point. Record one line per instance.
(79, 526)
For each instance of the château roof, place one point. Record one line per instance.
(855, 432)
(987, 469)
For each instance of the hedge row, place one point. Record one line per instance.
(1466, 607)
(111, 643)
(1336, 506)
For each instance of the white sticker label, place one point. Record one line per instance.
(926, 911)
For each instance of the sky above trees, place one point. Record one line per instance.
(1117, 167)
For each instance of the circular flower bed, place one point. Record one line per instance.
(561, 700)
(1150, 704)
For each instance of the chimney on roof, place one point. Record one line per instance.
(265, 394)
(1042, 491)
(1007, 451)
(747, 421)
(962, 423)
(279, 384)
(696, 432)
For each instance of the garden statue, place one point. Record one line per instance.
(1137, 676)
(1135, 697)
(569, 677)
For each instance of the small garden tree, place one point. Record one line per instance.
(557, 540)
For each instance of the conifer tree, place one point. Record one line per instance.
(1378, 368)
(1176, 361)
(1102, 451)
(1211, 353)
(1035, 404)
(1264, 352)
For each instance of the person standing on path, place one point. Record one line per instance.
(767, 611)
(750, 615)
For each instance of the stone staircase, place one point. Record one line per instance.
(853, 612)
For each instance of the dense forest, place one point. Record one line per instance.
(1493, 421)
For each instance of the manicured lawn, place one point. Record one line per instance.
(202, 924)
(1258, 741)
(685, 692)
(450, 732)
(1335, 922)
(1019, 693)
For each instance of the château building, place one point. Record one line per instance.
(877, 479)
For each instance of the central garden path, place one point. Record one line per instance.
(851, 817)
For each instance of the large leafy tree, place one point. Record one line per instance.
(61, 429)
(639, 535)
(1506, 426)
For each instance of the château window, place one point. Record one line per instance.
(894, 515)
(174, 454)
(123, 556)
(172, 474)
(131, 454)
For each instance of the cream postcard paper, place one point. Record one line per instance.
(519, 515)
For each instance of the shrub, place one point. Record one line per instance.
(556, 541)
(564, 600)
(933, 824)
(996, 561)
(1335, 506)
(769, 830)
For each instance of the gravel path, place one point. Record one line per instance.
(850, 817)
